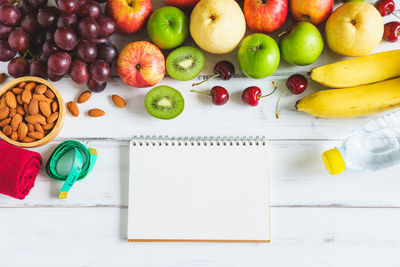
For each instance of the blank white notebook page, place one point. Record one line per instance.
(199, 191)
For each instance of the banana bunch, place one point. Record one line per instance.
(367, 87)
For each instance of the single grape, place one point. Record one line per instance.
(48, 49)
(37, 41)
(79, 71)
(17, 67)
(2, 2)
(106, 25)
(67, 21)
(6, 53)
(100, 40)
(53, 77)
(59, 63)
(68, 6)
(5, 31)
(37, 3)
(29, 23)
(100, 71)
(18, 40)
(81, 3)
(38, 68)
(107, 52)
(90, 9)
(86, 51)
(10, 15)
(88, 28)
(49, 35)
(47, 17)
(65, 38)
(25, 7)
(95, 86)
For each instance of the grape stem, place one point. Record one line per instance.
(212, 77)
(202, 93)
(27, 51)
(275, 87)
(277, 104)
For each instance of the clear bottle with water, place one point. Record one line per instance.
(371, 146)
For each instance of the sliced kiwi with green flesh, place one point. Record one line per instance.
(164, 102)
(185, 63)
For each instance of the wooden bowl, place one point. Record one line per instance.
(61, 111)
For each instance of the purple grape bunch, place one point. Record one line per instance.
(49, 42)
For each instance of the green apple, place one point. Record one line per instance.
(258, 56)
(302, 45)
(168, 27)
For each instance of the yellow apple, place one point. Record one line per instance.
(217, 26)
(354, 29)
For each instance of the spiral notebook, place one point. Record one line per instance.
(199, 190)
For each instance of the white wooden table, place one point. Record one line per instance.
(352, 219)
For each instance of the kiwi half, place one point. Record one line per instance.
(164, 102)
(185, 63)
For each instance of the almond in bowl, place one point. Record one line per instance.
(31, 112)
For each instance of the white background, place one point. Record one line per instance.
(352, 219)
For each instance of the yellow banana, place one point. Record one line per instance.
(359, 71)
(354, 101)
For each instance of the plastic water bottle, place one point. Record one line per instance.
(371, 146)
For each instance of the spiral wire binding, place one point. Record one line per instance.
(198, 141)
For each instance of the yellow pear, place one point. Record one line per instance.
(354, 29)
(217, 26)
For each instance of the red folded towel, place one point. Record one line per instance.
(18, 170)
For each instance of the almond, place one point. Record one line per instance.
(26, 96)
(11, 99)
(41, 98)
(118, 101)
(21, 84)
(30, 86)
(4, 112)
(73, 108)
(31, 128)
(54, 106)
(33, 119)
(95, 112)
(45, 108)
(3, 102)
(17, 91)
(19, 100)
(49, 93)
(84, 97)
(48, 126)
(16, 120)
(36, 135)
(7, 130)
(14, 135)
(2, 77)
(28, 139)
(34, 107)
(20, 110)
(40, 89)
(22, 131)
(5, 122)
(26, 108)
(12, 113)
(52, 118)
(38, 128)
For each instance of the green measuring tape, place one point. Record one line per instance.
(83, 162)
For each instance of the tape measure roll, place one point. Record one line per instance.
(83, 162)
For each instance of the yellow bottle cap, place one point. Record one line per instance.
(334, 162)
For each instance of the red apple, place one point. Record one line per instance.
(315, 11)
(129, 15)
(265, 15)
(182, 3)
(141, 64)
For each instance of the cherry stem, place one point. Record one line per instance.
(202, 93)
(275, 87)
(277, 104)
(214, 76)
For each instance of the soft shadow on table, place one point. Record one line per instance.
(124, 186)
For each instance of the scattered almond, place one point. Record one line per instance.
(34, 107)
(118, 101)
(36, 135)
(5, 122)
(11, 100)
(14, 135)
(17, 91)
(26, 96)
(30, 86)
(33, 119)
(54, 106)
(12, 113)
(95, 112)
(22, 131)
(20, 110)
(49, 93)
(53, 117)
(4, 112)
(7, 130)
(2, 77)
(48, 126)
(45, 108)
(40, 89)
(38, 128)
(84, 97)
(73, 108)
(15, 121)
(31, 128)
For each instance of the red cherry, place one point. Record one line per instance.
(297, 83)
(218, 93)
(385, 7)
(392, 31)
(251, 95)
(223, 69)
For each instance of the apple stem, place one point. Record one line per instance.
(212, 77)
(275, 87)
(282, 33)
(277, 104)
(202, 93)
